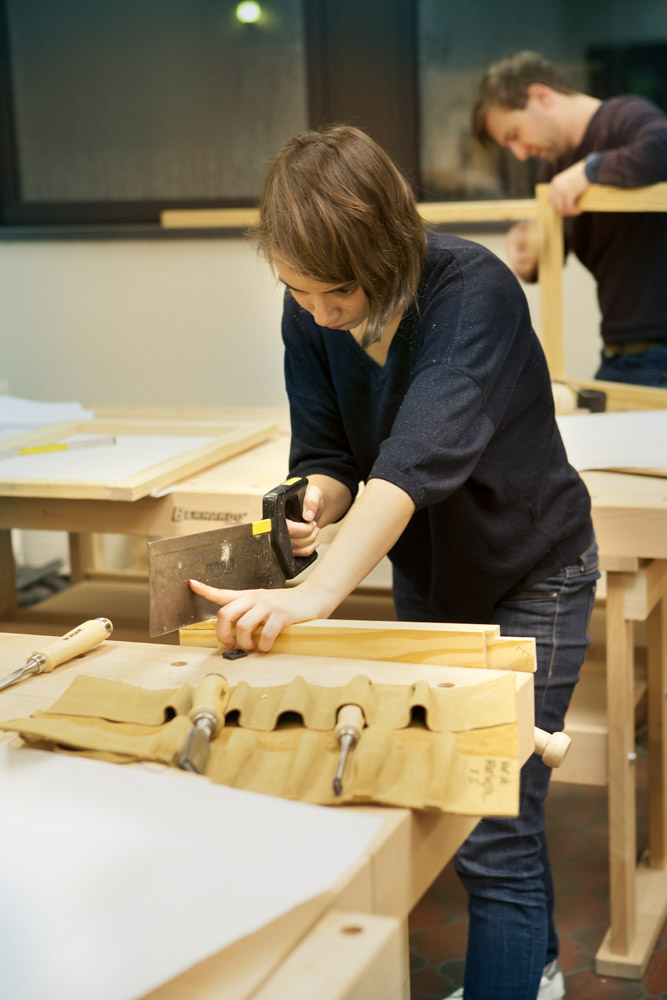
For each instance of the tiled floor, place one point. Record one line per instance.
(577, 836)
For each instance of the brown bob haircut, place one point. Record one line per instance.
(506, 84)
(335, 209)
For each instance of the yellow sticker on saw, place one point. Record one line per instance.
(261, 527)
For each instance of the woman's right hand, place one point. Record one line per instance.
(303, 534)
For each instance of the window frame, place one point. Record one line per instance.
(378, 92)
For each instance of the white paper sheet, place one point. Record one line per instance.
(129, 456)
(636, 440)
(19, 415)
(115, 879)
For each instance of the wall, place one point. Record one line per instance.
(129, 321)
(193, 321)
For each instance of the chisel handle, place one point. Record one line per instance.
(211, 698)
(350, 719)
(78, 640)
(552, 747)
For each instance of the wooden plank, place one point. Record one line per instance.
(506, 652)
(357, 956)
(597, 198)
(136, 475)
(408, 642)
(657, 734)
(617, 564)
(8, 603)
(431, 211)
(651, 915)
(86, 553)
(604, 198)
(622, 807)
(208, 218)
(511, 209)
(550, 271)
(586, 725)
(239, 970)
(629, 514)
(644, 589)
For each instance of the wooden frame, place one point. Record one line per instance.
(597, 198)
(221, 441)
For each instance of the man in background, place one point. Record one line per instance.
(528, 106)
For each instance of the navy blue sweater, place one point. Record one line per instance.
(461, 418)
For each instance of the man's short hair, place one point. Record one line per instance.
(506, 84)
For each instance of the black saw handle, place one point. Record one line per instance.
(286, 501)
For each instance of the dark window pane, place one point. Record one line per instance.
(151, 100)
(605, 46)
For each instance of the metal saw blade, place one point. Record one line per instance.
(236, 558)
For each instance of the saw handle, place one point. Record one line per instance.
(78, 640)
(210, 701)
(552, 747)
(286, 501)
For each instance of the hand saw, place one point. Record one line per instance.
(245, 556)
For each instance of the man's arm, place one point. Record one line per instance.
(638, 156)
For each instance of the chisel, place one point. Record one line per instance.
(349, 724)
(207, 716)
(79, 640)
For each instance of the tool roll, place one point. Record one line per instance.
(446, 748)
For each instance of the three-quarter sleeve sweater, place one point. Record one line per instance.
(461, 418)
(625, 251)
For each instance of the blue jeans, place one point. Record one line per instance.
(647, 368)
(504, 864)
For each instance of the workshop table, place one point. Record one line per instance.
(630, 518)
(355, 939)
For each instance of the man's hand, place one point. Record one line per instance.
(248, 609)
(303, 534)
(522, 249)
(566, 187)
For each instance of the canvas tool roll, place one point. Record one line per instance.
(449, 748)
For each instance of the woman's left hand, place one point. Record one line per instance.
(248, 609)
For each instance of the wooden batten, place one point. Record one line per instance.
(454, 645)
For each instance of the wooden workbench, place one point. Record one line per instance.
(351, 945)
(630, 517)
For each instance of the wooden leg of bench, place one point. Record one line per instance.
(622, 804)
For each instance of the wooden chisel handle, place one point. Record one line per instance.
(552, 747)
(350, 719)
(78, 640)
(210, 701)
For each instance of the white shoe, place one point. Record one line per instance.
(552, 984)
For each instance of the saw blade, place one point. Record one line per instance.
(236, 558)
